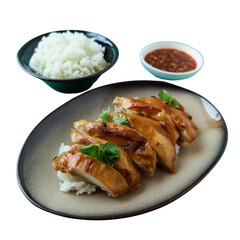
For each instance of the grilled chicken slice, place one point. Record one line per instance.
(84, 139)
(180, 117)
(123, 164)
(156, 135)
(130, 105)
(92, 170)
(128, 139)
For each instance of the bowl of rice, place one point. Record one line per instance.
(68, 61)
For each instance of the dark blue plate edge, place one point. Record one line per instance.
(135, 213)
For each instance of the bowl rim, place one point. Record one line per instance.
(167, 72)
(109, 65)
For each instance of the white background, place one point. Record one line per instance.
(211, 209)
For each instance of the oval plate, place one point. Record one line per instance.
(38, 180)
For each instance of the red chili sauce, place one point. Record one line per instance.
(171, 60)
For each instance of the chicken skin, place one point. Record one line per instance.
(128, 139)
(157, 137)
(163, 112)
(92, 170)
(136, 106)
(182, 120)
(123, 163)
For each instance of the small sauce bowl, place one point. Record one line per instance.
(197, 56)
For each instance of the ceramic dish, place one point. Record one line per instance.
(38, 180)
(69, 85)
(174, 45)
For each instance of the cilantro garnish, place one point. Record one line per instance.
(105, 117)
(90, 150)
(166, 96)
(121, 119)
(104, 152)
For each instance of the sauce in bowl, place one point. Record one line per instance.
(171, 60)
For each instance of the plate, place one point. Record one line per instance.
(38, 180)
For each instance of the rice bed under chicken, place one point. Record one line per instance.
(70, 183)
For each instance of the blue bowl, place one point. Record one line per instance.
(174, 45)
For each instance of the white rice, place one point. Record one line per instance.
(63, 148)
(67, 55)
(177, 148)
(70, 183)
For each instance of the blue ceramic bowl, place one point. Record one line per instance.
(69, 85)
(171, 75)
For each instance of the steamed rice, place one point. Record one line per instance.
(67, 55)
(70, 183)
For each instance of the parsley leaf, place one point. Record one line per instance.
(105, 115)
(90, 150)
(104, 152)
(175, 103)
(107, 152)
(166, 96)
(121, 119)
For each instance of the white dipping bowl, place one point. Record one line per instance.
(174, 45)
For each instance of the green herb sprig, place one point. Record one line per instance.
(105, 117)
(104, 152)
(166, 96)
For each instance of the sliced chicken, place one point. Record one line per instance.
(123, 164)
(156, 135)
(130, 105)
(85, 139)
(180, 117)
(92, 170)
(128, 139)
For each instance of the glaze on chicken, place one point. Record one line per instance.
(136, 106)
(157, 137)
(92, 170)
(127, 138)
(123, 163)
(154, 128)
(177, 122)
